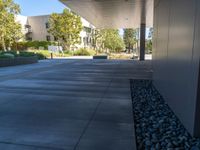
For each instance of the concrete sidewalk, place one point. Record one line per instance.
(69, 105)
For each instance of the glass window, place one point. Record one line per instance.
(55, 38)
(47, 25)
(48, 38)
(87, 30)
(29, 39)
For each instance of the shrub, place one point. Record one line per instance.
(67, 52)
(31, 54)
(26, 54)
(41, 53)
(19, 46)
(41, 56)
(37, 53)
(13, 54)
(38, 44)
(84, 52)
(32, 45)
(7, 56)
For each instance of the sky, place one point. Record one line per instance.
(39, 7)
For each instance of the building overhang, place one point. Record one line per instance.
(114, 13)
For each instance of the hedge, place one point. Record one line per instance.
(32, 44)
(13, 54)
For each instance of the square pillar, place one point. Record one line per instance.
(142, 41)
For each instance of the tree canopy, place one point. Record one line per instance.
(149, 41)
(66, 27)
(112, 40)
(129, 38)
(10, 30)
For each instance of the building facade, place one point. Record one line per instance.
(35, 28)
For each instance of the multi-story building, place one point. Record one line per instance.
(35, 28)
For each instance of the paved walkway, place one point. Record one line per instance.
(68, 105)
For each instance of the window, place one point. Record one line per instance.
(55, 38)
(85, 40)
(90, 40)
(27, 26)
(47, 25)
(87, 29)
(48, 38)
(29, 39)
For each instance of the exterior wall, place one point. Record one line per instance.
(38, 27)
(85, 37)
(176, 57)
(197, 54)
(197, 118)
(23, 21)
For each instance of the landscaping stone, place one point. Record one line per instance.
(156, 126)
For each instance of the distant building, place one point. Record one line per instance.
(35, 28)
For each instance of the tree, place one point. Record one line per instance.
(112, 40)
(149, 41)
(14, 34)
(150, 36)
(10, 31)
(97, 38)
(149, 46)
(130, 38)
(66, 27)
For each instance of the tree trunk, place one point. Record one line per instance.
(129, 48)
(95, 47)
(4, 45)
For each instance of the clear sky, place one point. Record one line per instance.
(39, 7)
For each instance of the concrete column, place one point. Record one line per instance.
(142, 41)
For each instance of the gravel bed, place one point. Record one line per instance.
(156, 126)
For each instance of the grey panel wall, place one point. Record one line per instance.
(197, 58)
(176, 57)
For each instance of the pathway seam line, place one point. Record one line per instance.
(93, 115)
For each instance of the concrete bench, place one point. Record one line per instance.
(100, 57)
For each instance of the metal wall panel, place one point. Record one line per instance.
(196, 61)
(162, 30)
(175, 57)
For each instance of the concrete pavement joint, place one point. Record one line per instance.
(93, 115)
